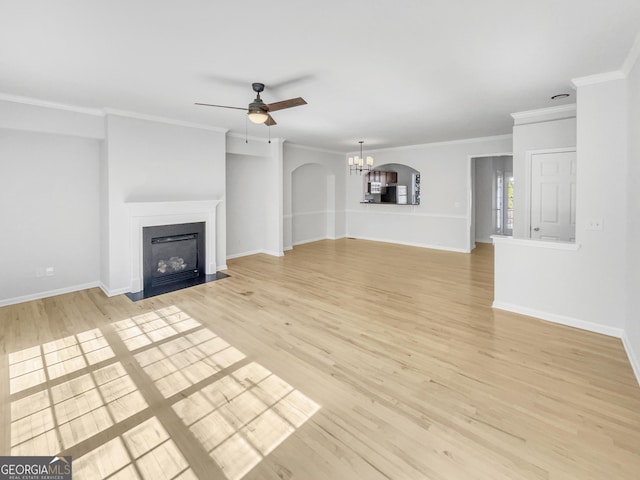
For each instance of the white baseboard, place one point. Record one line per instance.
(244, 254)
(253, 252)
(112, 293)
(581, 324)
(413, 244)
(561, 319)
(634, 359)
(311, 240)
(222, 267)
(290, 247)
(50, 293)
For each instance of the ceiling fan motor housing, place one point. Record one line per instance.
(258, 104)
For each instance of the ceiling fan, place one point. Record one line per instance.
(258, 111)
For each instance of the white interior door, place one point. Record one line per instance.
(553, 196)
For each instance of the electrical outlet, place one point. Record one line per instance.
(49, 272)
(594, 224)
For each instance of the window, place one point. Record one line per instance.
(504, 203)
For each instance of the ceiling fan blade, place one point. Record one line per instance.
(221, 106)
(292, 102)
(270, 121)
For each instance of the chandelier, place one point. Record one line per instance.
(358, 164)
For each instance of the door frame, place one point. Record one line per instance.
(471, 228)
(528, 164)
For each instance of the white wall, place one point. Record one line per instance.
(582, 285)
(246, 198)
(309, 204)
(536, 131)
(632, 324)
(443, 218)
(104, 212)
(49, 212)
(274, 241)
(268, 176)
(313, 193)
(154, 161)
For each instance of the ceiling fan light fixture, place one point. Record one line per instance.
(258, 116)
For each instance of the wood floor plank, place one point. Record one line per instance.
(343, 359)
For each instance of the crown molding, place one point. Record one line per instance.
(312, 149)
(545, 114)
(632, 56)
(462, 141)
(36, 102)
(560, 109)
(158, 119)
(629, 62)
(598, 78)
(103, 112)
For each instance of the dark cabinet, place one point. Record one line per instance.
(384, 178)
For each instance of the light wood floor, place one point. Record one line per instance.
(342, 360)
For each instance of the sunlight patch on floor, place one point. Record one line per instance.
(74, 390)
(82, 407)
(33, 366)
(144, 452)
(187, 360)
(243, 417)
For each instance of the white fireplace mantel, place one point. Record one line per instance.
(150, 214)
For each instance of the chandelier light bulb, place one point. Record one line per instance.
(358, 163)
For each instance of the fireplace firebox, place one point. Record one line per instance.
(173, 257)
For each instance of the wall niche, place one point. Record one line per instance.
(392, 183)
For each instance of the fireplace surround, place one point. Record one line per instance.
(155, 214)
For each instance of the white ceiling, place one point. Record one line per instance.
(389, 72)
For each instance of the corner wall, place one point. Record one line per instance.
(581, 285)
(632, 324)
(246, 197)
(255, 183)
